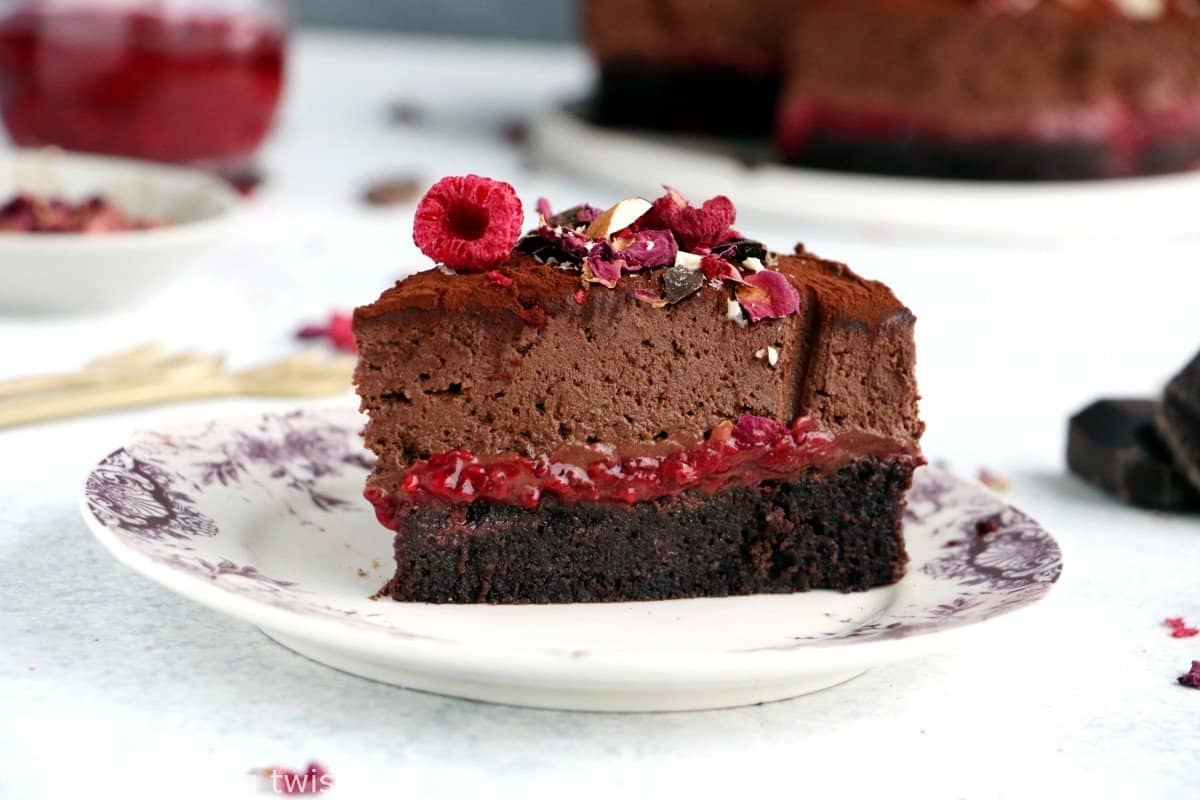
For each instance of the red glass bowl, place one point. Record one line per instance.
(187, 86)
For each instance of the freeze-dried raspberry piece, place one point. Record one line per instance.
(1179, 628)
(499, 278)
(468, 222)
(694, 228)
(337, 330)
(767, 294)
(753, 431)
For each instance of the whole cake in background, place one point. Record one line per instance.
(629, 404)
(978, 89)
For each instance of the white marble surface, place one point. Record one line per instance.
(110, 686)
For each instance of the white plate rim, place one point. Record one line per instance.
(599, 667)
(1038, 211)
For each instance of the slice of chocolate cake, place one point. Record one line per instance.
(630, 405)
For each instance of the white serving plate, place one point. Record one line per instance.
(1135, 209)
(71, 272)
(263, 518)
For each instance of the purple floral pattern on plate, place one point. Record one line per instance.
(180, 498)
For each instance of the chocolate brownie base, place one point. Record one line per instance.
(1008, 159)
(838, 530)
(716, 100)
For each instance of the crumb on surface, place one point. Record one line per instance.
(993, 481)
(1191, 678)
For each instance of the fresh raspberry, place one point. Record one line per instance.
(468, 223)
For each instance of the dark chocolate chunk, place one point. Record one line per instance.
(738, 250)
(679, 282)
(1114, 444)
(1178, 420)
(546, 251)
(576, 217)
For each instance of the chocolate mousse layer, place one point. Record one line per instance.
(455, 361)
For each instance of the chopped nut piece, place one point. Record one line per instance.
(769, 353)
(618, 218)
(733, 313)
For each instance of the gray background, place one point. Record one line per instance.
(522, 19)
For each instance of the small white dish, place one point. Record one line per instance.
(72, 272)
(263, 518)
(1135, 209)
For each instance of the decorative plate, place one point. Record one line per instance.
(262, 518)
(634, 162)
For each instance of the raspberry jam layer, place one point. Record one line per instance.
(745, 453)
(141, 81)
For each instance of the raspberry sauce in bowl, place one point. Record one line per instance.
(171, 82)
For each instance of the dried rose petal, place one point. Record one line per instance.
(752, 431)
(680, 282)
(650, 296)
(767, 294)
(603, 266)
(694, 228)
(543, 210)
(718, 269)
(1191, 678)
(647, 249)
